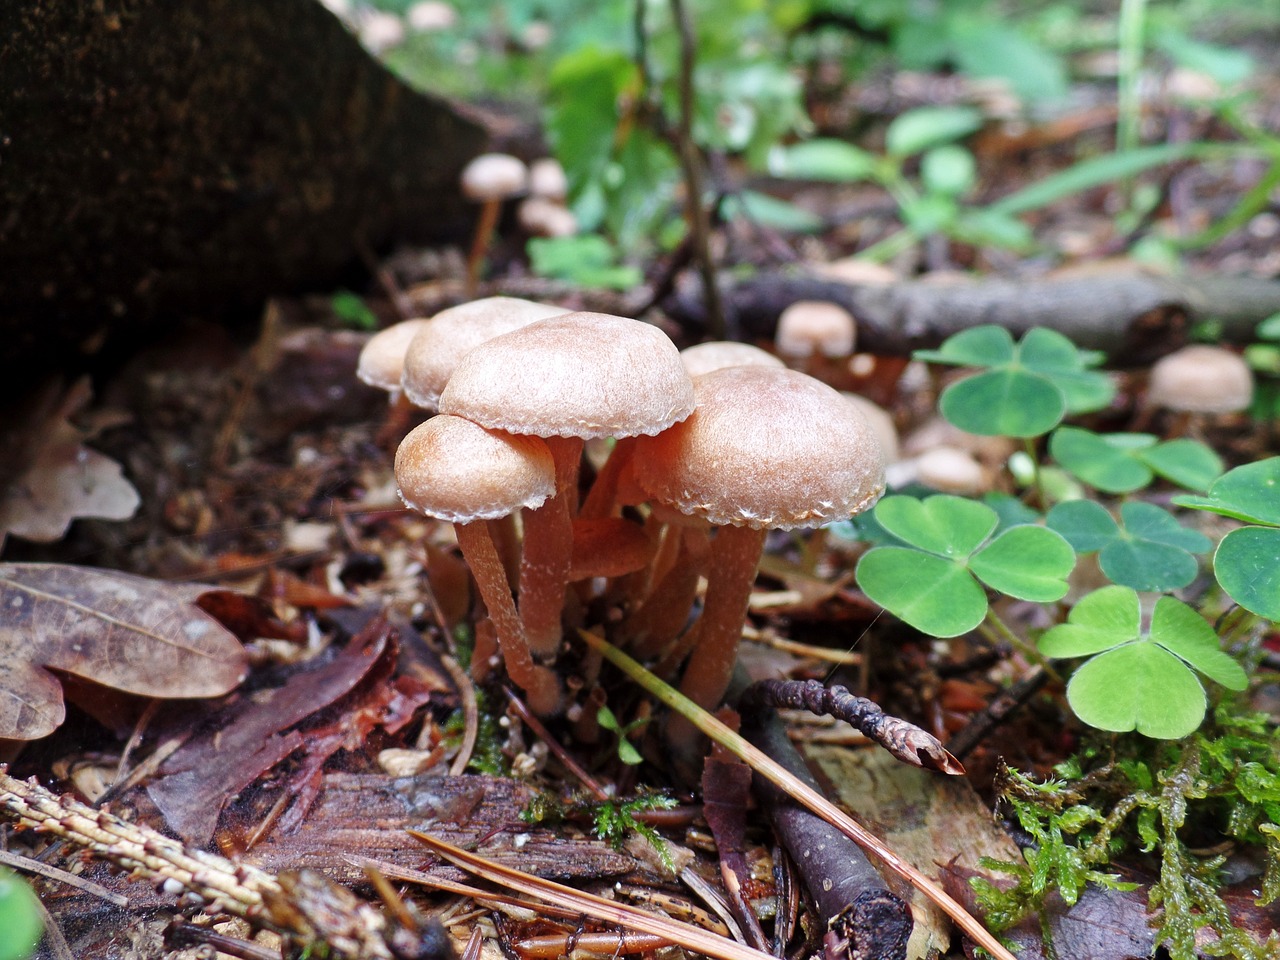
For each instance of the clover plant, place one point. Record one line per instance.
(1147, 550)
(933, 580)
(1161, 696)
(1024, 389)
(1247, 561)
(1125, 462)
(933, 560)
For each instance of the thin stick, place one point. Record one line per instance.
(803, 793)
(609, 911)
(27, 865)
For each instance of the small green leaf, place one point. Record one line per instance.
(1269, 329)
(1138, 686)
(984, 346)
(1099, 461)
(925, 127)
(1006, 402)
(1188, 463)
(19, 917)
(949, 170)
(1250, 492)
(1149, 550)
(767, 211)
(1048, 352)
(1028, 562)
(948, 526)
(936, 596)
(1086, 524)
(1099, 621)
(822, 159)
(1182, 631)
(1011, 511)
(1247, 564)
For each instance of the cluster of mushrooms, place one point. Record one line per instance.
(711, 448)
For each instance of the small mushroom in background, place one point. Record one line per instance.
(1198, 380)
(810, 327)
(382, 358)
(717, 354)
(543, 213)
(816, 337)
(431, 16)
(455, 470)
(541, 217)
(490, 179)
(764, 449)
(547, 180)
(855, 271)
(951, 470)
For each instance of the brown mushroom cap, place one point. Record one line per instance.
(547, 179)
(578, 375)
(494, 176)
(542, 217)
(717, 354)
(881, 423)
(765, 448)
(456, 470)
(382, 358)
(951, 470)
(433, 354)
(1201, 379)
(815, 326)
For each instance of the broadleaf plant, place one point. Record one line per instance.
(1247, 561)
(1124, 462)
(1147, 550)
(933, 581)
(1025, 388)
(1140, 679)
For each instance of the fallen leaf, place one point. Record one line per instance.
(137, 635)
(63, 479)
(250, 737)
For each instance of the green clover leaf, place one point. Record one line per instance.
(19, 917)
(1136, 681)
(1150, 550)
(1247, 561)
(1123, 462)
(932, 581)
(1025, 388)
(1250, 493)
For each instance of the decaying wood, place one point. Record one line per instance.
(1132, 317)
(930, 820)
(367, 814)
(866, 921)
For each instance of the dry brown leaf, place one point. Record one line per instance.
(63, 479)
(137, 635)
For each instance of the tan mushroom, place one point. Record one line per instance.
(382, 358)
(455, 470)
(1201, 379)
(490, 179)
(810, 327)
(764, 449)
(715, 354)
(442, 342)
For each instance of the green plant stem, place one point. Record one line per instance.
(1002, 630)
(1131, 28)
(1254, 201)
(1037, 480)
(775, 773)
(890, 246)
(691, 165)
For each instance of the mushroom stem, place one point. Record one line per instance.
(650, 630)
(541, 686)
(735, 555)
(480, 242)
(548, 552)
